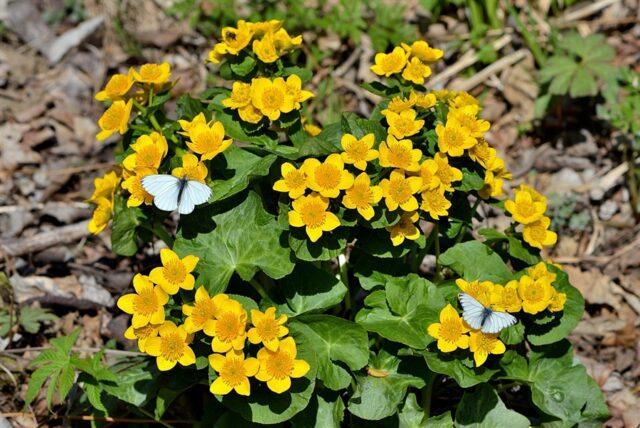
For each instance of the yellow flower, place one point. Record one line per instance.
(405, 228)
(535, 195)
(312, 129)
(265, 49)
(425, 100)
(404, 124)
(391, 63)
(453, 139)
(116, 88)
(399, 154)
(236, 39)
(188, 126)
(506, 299)
(416, 71)
(492, 186)
(149, 150)
(482, 153)
(263, 27)
(208, 141)
(358, 152)
(171, 347)
(114, 119)
(540, 271)
(138, 195)
(175, 272)
(446, 173)
(398, 190)
(240, 96)
(250, 114)
(277, 368)
(328, 177)
(362, 196)
(229, 327)
(399, 104)
(428, 174)
(141, 334)
(201, 313)
(463, 98)
(293, 181)
(481, 291)
(295, 91)
(146, 304)
(233, 372)
(267, 329)
(284, 41)
(105, 186)
(153, 73)
(421, 50)
(311, 213)
(217, 53)
(524, 209)
(191, 168)
(101, 216)
(466, 117)
(271, 97)
(483, 344)
(557, 302)
(435, 203)
(451, 331)
(535, 294)
(538, 235)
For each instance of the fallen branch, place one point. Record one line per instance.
(485, 73)
(42, 241)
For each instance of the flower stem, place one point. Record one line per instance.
(465, 226)
(427, 393)
(259, 288)
(436, 242)
(155, 123)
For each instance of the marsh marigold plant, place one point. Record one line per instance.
(319, 284)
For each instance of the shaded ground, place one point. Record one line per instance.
(51, 66)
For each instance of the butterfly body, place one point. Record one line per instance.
(171, 193)
(480, 317)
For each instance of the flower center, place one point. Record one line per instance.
(232, 372)
(390, 62)
(404, 125)
(327, 176)
(118, 84)
(453, 138)
(228, 326)
(242, 95)
(272, 98)
(148, 156)
(538, 233)
(146, 302)
(526, 209)
(484, 343)
(113, 116)
(150, 72)
(399, 156)
(172, 347)
(450, 329)
(203, 310)
(280, 365)
(295, 179)
(357, 152)
(313, 214)
(534, 293)
(175, 272)
(400, 191)
(268, 329)
(360, 194)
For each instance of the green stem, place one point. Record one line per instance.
(427, 393)
(466, 225)
(140, 107)
(155, 123)
(476, 17)
(436, 242)
(150, 100)
(490, 7)
(259, 288)
(528, 37)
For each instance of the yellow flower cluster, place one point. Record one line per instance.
(532, 293)
(219, 317)
(410, 60)
(120, 92)
(270, 41)
(265, 97)
(102, 197)
(528, 208)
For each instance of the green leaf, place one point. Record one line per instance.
(513, 334)
(309, 289)
(484, 408)
(443, 420)
(188, 107)
(471, 180)
(239, 167)
(303, 73)
(553, 327)
(245, 239)
(359, 127)
(412, 414)
(474, 260)
(264, 406)
(329, 246)
(557, 66)
(519, 251)
(243, 67)
(378, 243)
(325, 143)
(459, 368)
(373, 271)
(124, 237)
(583, 84)
(31, 318)
(326, 409)
(375, 398)
(336, 343)
(411, 304)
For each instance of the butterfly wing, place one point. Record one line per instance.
(497, 322)
(194, 193)
(472, 311)
(165, 190)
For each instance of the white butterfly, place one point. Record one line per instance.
(171, 192)
(482, 318)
